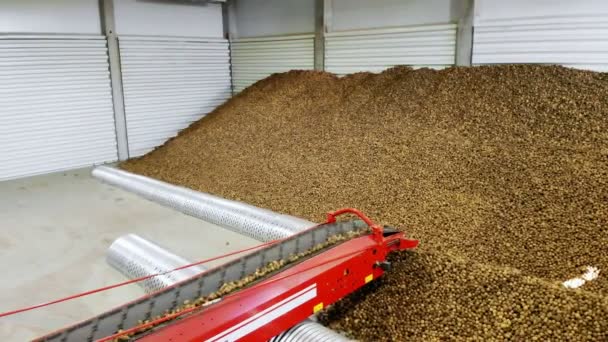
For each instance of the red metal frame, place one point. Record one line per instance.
(267, 308)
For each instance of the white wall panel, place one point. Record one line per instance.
(500, 9)
(169, 83)
(155, 18)
(273, 17)
(257, 58)
(573, 34)
(44, 16)
(365, 14)
(377, 49)
(55, 104)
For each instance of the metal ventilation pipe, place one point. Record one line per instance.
(260, 224)
(136, 257)
(309, 331)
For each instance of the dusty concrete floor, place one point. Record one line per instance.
(54, 232)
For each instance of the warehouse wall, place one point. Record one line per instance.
(421, 34)
(56, 100)
(368, 35)
(572, 33)
(55, 95)
(371, 35)
(270, 36)
(175, 67)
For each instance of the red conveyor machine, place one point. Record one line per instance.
(261, 305)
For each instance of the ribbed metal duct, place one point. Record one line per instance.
(260, 224)
(309, 331)
(135, 257)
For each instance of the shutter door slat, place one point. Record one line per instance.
(55, 104)
(169, 83)
(374, 50)
(257, 58)
(577, 41)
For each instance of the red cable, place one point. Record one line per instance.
(132, 281)
(145, 325)
(128, 282)
(109, 287)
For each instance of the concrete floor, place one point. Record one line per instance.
(54, 232)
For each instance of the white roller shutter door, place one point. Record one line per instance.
(256, 58)
(169, 83)
(579, 41)
(374, 50)
(55, 104)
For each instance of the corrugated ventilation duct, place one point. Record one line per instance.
(135, 257)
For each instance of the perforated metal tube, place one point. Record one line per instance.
(135, 257)
(258, 223)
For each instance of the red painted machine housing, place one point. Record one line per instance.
(264, 310)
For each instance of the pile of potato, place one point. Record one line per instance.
(500, 171)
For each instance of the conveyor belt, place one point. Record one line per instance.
(168, 299)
